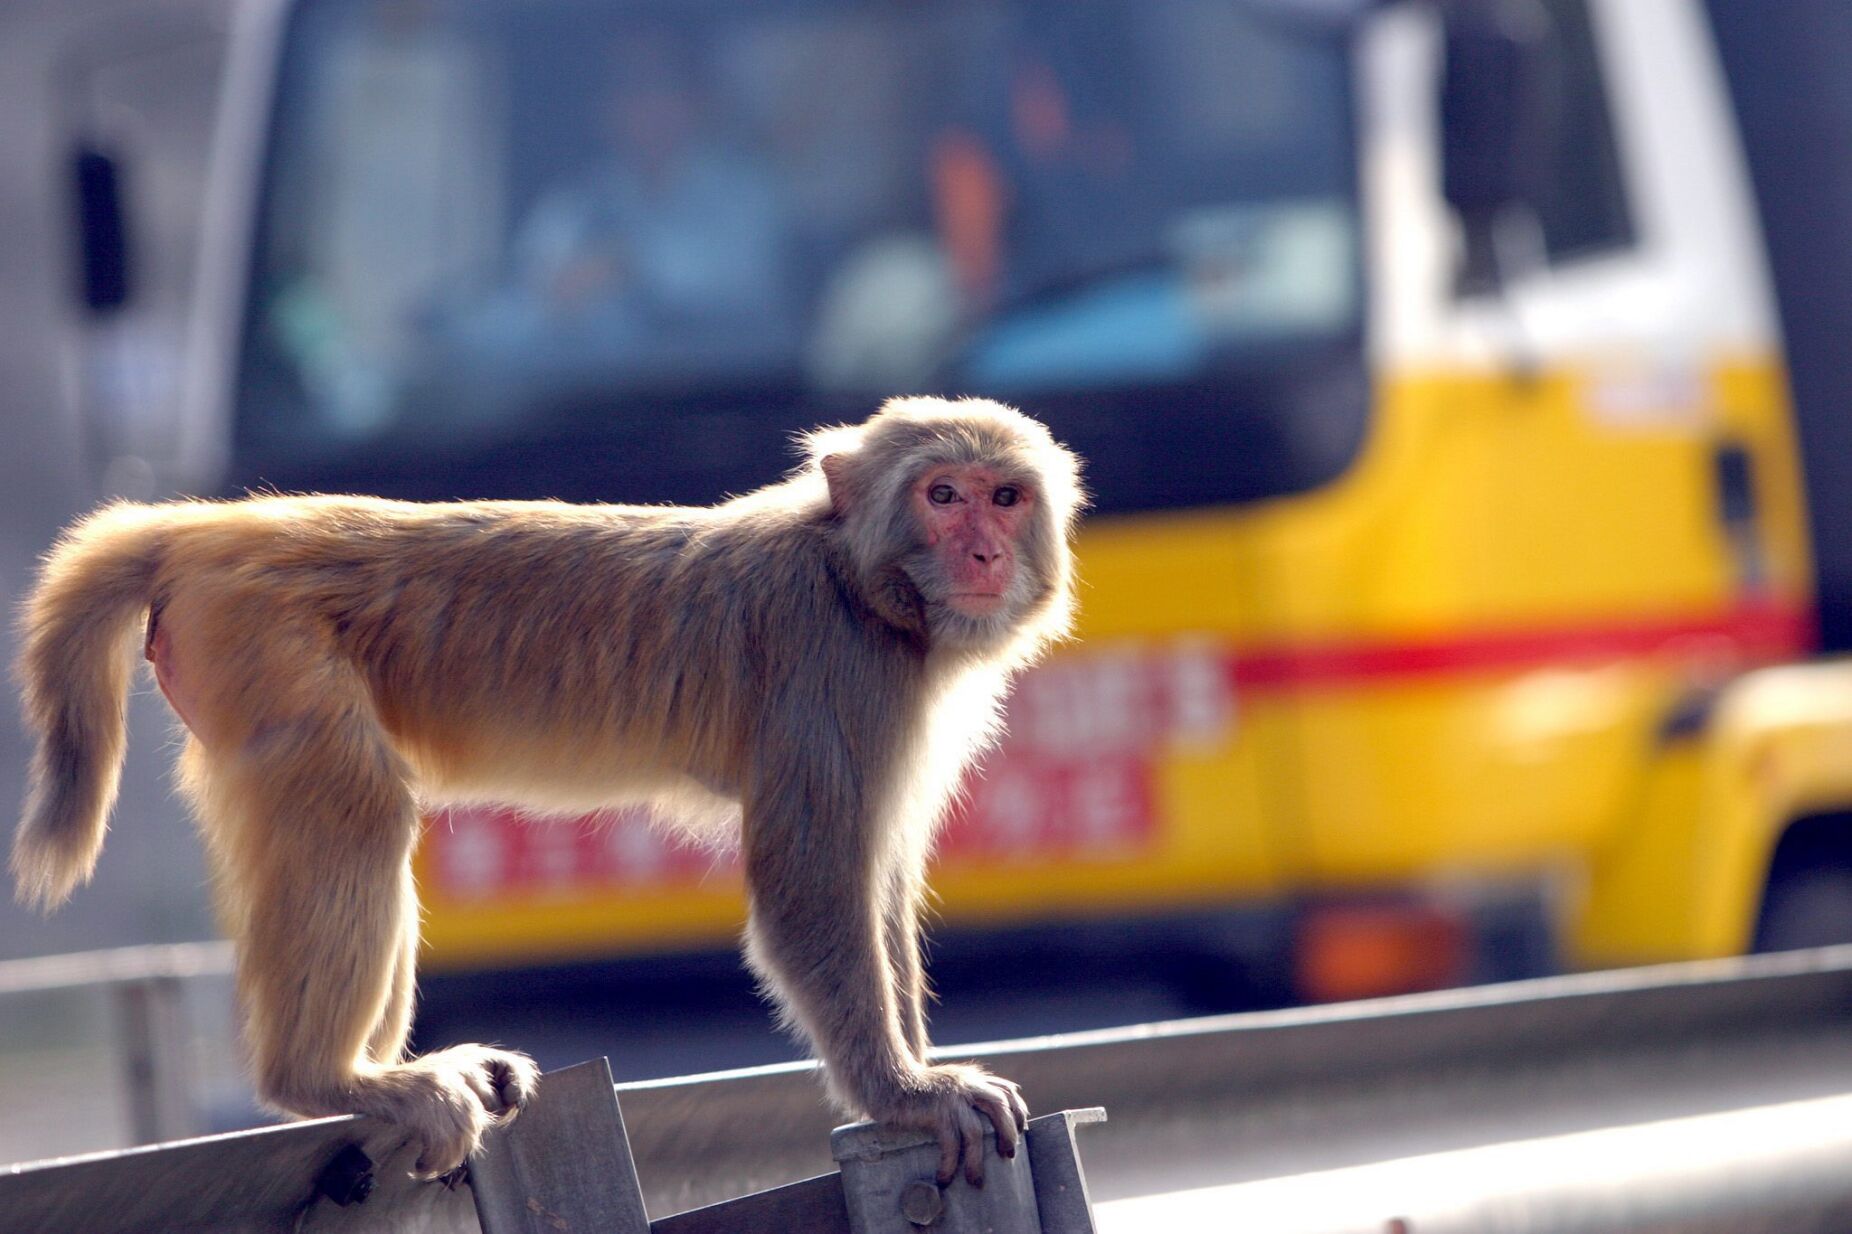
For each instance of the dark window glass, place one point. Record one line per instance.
(622, 250)
(1581, 203)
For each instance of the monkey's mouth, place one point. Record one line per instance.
(976, 603)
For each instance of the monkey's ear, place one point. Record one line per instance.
(840, 475)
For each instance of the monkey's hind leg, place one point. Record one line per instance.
(316, 821)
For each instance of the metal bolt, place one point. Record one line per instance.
(921, 1203)
(348, 1179)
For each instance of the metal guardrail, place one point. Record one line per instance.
(1227, 1099)
(563, 1165)
(115, 966)
(146, 990)
(1476, 1109)
(1779, 1169)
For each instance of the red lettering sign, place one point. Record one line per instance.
(1074, 780)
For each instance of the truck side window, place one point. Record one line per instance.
(1580, 201)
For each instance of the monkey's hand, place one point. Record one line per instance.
(447, 1099)
(946, 1100)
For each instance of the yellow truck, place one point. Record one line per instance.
(1447, 604)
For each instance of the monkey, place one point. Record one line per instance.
(807, 669)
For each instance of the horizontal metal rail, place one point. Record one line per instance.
(1197, 1106)
(1778, 1169)
(115, 966)
(146, 990)
(565, 1164)
(1223, 1099)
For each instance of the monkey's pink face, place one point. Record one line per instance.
(974, 519)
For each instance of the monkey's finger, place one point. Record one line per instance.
(1002, 1117)
(951, 1144)
(973, 1132)
(481, 1083)
(1019, 1105)
(512, 1078)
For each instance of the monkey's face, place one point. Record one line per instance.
(972, 520)
(968, 507)
(978, 563)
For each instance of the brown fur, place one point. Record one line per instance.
(789, 659)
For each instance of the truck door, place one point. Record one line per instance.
(1583, 485)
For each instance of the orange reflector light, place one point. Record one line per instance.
(1371, 950)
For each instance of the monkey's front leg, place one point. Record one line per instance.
(902, 910)
(819, 937)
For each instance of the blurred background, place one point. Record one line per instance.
(1461, 385)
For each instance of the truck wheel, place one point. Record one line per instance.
(1807, 908)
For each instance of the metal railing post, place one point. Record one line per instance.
(157, 1055)
(1060, 1182)
(564, 1164)
(888, 1182)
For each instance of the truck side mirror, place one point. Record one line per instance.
(1495, 115)
(102, 231)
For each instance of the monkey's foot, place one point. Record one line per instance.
(946, 1100)
(446, 1100)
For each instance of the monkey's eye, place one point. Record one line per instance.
(1008, 495)
(942, 494)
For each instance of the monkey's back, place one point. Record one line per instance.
(489, 633)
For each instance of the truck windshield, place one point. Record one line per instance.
(622, 250)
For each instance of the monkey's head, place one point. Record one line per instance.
(956, 517)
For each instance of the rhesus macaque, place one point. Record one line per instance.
(816, 662)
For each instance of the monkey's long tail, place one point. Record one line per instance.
(74, 668)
